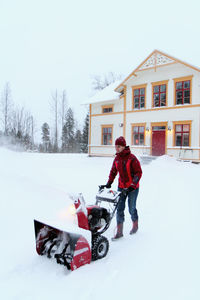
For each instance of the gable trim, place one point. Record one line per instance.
(155, 52)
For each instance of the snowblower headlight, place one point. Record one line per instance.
(72, 209)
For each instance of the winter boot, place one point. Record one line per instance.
(119, 233)
(135, 227)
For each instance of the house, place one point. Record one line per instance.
(156, 108)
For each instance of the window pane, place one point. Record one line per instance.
(179, 94)
(186, 128)
(142, 91)
(141, 142)
(107, 109)
(186, 93)
(105, 140)
(178, 128)
(163, 96)
(141, 129)
(109, 140)
(156, 128)
(163, 103)
(186, 96)
(109, 130)
(156, 99)
(179, 85)
(187, 100)
(186, 84)
(136, 102)
(163, 99)
(135, 129)
(156, 89)
(179, 97)
(163, 88)
(141, 101)
(185, 139)
(105, 130)
(136, 139)
(178, 139)
(136, 92)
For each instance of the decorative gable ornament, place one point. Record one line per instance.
(156, 59)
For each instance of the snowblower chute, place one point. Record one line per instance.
(69, 249)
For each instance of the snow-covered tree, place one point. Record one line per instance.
(68, 135)
(78, 141)
(46, 137)
(85, 134)
(64, 138)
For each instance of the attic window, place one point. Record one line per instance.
(107, 109)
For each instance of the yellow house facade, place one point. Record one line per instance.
(156, 108)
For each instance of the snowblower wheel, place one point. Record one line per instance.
(100, 246)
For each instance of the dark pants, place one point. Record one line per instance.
(132, 197)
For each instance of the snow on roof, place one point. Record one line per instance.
(106, 94)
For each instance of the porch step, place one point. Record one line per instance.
(147, 159)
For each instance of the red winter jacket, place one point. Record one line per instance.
(128, 167)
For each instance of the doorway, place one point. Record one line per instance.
(158, 140)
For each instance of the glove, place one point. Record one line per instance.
(108, 185)
(101, 187)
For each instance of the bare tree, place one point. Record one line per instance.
(23, 127)
(6, 108)
(100, 82)
(54, 109)
(63, 107)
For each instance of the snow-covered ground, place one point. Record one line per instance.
(160, 262)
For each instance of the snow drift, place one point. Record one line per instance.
(160, 262)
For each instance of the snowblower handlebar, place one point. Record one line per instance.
(122, 192)
(102, 187)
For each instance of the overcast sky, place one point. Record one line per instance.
(60, 44)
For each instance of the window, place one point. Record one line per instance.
(138, 135)
(182, 135)
(138, 100)
(107, 109)
(139, 96)
(159, 95)
(183, 92)
(107, 135)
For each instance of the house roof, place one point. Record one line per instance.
(106, 94)
(154, 60)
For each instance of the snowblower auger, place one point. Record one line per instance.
(69, 249)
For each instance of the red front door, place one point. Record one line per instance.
(158, 141)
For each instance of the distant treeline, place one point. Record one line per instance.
(18, 127)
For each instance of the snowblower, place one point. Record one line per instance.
(76, 249)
